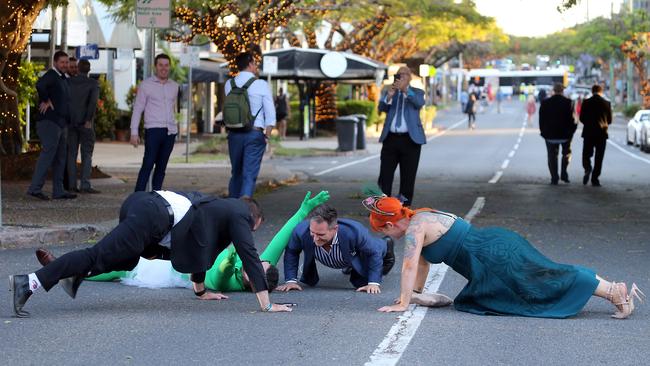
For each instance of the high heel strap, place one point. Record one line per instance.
(636, 292)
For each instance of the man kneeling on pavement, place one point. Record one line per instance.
(337, 243)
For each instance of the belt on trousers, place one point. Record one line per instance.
(168, 207)
(399, 133)
(259, 129)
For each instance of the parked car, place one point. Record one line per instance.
(635, 126)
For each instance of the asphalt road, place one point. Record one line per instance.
(604, 228)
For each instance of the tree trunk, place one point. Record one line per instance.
(16, 19)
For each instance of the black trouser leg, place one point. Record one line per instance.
(599, 146)
(408, 169)
(587, 152)
(552, 151)
(143, 223)
(389, 160)
(566, 159)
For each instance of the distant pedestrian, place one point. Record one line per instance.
(557, 126)
(531, 107)
(282, 113)
(542, 95)
(249, 115)
(500, 96)
(84, 93)
(464, 98)
(403, 135)
(470, 109)
(54, 107)
(596, 116)
(156, 97)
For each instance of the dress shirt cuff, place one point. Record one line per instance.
(374, 283)
(292, 281)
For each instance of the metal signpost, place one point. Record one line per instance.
(152, 14)
(189, 58)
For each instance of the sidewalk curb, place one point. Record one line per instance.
(24, 237)
(49, 236)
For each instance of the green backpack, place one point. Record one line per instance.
(236, 107)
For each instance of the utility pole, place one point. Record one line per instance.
(52, 36)
(64, 28)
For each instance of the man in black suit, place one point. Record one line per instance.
(53, 119)
(557, 127)
(84, 92)
(190, 229)
(596, 116)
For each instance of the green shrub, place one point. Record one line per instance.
(107, 112)
(358, 107)
(630, 111)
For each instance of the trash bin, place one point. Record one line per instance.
(361, 130)
(346, 131)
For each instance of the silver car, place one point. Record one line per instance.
(635, 126)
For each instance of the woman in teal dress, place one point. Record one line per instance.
(506, 274)
(226, 274)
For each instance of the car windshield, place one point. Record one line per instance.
(645, 117)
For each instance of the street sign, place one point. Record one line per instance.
(87, 52)
(153, 14)
(190, 56)
(270, 65)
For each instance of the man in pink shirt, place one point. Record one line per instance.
(156, 97)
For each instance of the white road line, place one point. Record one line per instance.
(496, 177)
(347, 165)
(505, 164)
(517, 145)
(634, 156)
(511, 154)
(399, 336)
(377, 155)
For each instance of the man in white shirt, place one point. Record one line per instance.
(246, 147)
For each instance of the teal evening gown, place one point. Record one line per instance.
(508, 276)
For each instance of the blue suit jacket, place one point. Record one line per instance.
(53, 87)
(414, 102)
(363, 251)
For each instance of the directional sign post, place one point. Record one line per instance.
(189, 58)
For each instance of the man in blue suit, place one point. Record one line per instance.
(52, 128)
(336, 243)
(402, 136)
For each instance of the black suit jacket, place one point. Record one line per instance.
(209, 226)
(596, 116)
(54, 87)
(556, 118)
(84, 93)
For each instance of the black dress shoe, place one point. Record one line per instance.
(585, 179)
(19, 286)
(39, 195)
(90, 190)
(389, 258)
(44, 256)
(553, 182)
(595, 183)
(75, 190)
(71, 284)
(65, 196)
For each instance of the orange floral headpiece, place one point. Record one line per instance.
(385, 209)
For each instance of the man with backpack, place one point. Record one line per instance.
(249, 117)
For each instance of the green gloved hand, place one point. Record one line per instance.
(309, 204)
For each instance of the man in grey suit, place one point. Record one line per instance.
(402, 136)
(84, 92)
(54, 107)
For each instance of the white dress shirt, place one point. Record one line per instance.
(259, 97)
(180, 205)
